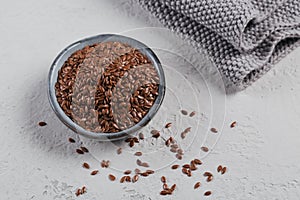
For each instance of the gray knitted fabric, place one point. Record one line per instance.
(244, 38)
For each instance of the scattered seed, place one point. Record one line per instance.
(105, 163)
(183, 135)
(93, 173)
(86, 165)
(127, 172)
(186, 166)
(141, 136)
(188, 129)
(145, 174)
(197, 162)
(84, 149)
(138, 153)
(214, 130)
(111, 177)
(71, 140)
(150, 171)
(137, 171)
(192, 114)
(175, 166)
(233, 124)
(135, 178)
(180, 151)
(205, 149)
(197, 185)
(145, 164)
(207, 193)
(42, 123)
(206, 174)
(163, 179)
(80, 191)
(155, 133)
(184, 112)
(139, 162)
(122, 180)
(164, 192)
(128, 179)
(179, 157)
(224, 170)
(209, 178)
(219, 169)
(79, 151)
(168, 125)
(173, 187)
(119, 151)
(131, 143)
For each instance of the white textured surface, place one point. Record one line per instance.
(262, 152)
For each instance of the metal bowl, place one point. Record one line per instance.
(67, 52)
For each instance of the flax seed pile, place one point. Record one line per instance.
(107, 87)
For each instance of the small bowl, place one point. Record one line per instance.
(67, 52)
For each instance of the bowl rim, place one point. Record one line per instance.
(75, 46)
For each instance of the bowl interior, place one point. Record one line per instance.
(67, 52)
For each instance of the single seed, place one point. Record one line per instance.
(219, 169)
(150, 171)
(207, 174)
(135, 178)
(214, 130)
(71, 140)
(224, 170)
(197, 161)
(141, 136)
(207, 193)
(145, 164)
(128, 179)
(138, 153)
(119, 151)
(139, 162)
(168, 125)
(186, 166)
(86, 165)
(84, 149)
(163, 179)
(233, 124)
(79, 151)
(205, 149)
(209, 178)
(164, 192)
(111, 177)
(179, 157)
(131, 143)
(197, 185)
(137, 171)
(122, 180)
(192, 114)
(93, 173)
(145, 174)
(175, 166)
(127, 172)
(184, 112)
(42, 123)
(173, 187)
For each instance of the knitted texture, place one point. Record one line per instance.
(244, 38)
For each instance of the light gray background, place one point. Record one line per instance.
(262, 152)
